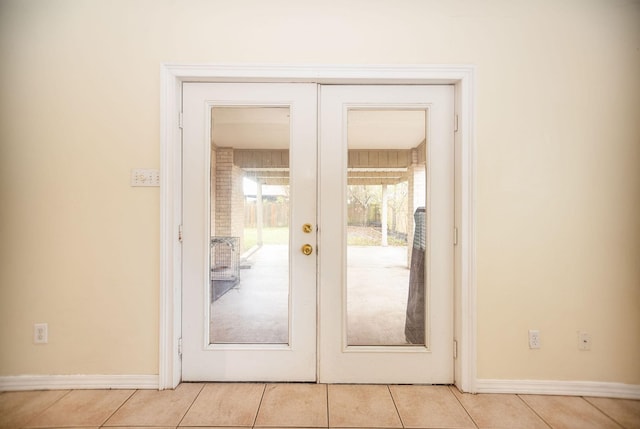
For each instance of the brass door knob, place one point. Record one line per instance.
(307, 249)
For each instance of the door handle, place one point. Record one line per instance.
(307, 249)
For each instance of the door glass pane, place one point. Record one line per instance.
(386, 229)
(249, 256)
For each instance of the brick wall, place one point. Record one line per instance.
(223, 192)
(228, 199)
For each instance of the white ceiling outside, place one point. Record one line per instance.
(268, 128)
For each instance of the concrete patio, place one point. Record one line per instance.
(256, 311)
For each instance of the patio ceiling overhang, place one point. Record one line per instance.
(356, 176)
(364, 167)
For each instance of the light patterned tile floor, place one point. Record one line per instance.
(291, 406)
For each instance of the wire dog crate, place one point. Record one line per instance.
(225, 265)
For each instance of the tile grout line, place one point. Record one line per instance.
(46, 408)
(101, 425)
(328, 413)
(602, 411)
(534, 411)
(255, 419)
(453, 386)
(395, 406)
(190, 405)
(581, 397)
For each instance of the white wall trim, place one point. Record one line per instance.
(172, 77)
(554, 387)
(465, 309)
(169, 363)
(56, 382)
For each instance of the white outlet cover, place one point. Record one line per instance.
(534, 339)
(40, 333)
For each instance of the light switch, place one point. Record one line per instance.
(145, 177)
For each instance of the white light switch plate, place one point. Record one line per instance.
(145, 177)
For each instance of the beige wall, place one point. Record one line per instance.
(558, 139)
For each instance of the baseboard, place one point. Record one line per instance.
(554, 387)
(57, 382)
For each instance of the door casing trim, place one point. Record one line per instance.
(171, 79)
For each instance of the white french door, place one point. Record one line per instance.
(375, 305)
(249, 293)
(386, 311)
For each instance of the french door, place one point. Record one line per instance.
(386, 305)
(249, 293)
(317, 241)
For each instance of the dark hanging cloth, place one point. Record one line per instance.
(414, 325)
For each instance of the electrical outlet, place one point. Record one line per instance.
(584, 341)
(534, 339)
(40, 333)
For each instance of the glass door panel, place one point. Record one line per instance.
(249, 255)
(386, 194)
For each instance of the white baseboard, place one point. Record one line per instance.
(57, 382)
(528, 387)
(555, 387)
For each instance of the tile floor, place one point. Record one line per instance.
(246, 405)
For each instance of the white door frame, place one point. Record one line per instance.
(172, 77)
